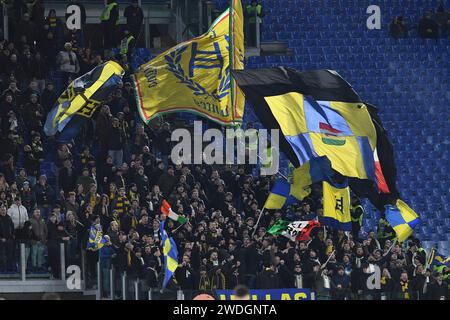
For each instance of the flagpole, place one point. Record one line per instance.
(326, 262)
(390, 248)
(231, 54)
(257, 222)
(178, 227)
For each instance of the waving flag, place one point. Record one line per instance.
(168, 212)
(80, 100)
(280, 195)
(313, 171)
(294, 231)
(195, 76)
(170, 255)
(437, 260)
(336, 205)
(319, 115)
(402, 219)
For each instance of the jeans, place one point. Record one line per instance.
(37, 255)
(106, 282)
(117, 157)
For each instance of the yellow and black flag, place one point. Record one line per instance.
(80, 100)
(195, 76)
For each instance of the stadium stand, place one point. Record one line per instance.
(408, 79)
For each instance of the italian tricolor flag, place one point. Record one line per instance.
(168, 212)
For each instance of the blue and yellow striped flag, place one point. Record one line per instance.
(402, 219)
(170, 255)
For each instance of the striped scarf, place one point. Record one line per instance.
(52, 22)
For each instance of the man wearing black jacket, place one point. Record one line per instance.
(67, 177)
(268, 278)
(185, 274)
(6, 241)
(48, 97)
(251, 260)
(439, 289)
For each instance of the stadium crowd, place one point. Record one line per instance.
(116, 174)
(430, 26)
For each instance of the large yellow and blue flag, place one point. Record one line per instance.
(402, 219)
(336, 205)
(318, 114)
(195, 76)
(170, 255)
(80, 100)
(96, 240)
